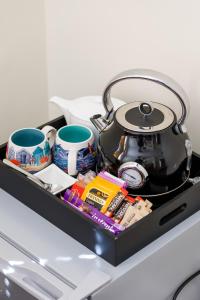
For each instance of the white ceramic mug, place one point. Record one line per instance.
(30, 148)
(74, 149)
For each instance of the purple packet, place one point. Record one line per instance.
(92, 213)
(113, 179)
(73, 198)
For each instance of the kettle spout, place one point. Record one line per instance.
(99, 122)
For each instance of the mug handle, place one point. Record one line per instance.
(50, 133)
(72, 161)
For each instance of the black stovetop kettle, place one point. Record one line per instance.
(145, 143)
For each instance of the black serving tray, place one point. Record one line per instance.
(168, 212)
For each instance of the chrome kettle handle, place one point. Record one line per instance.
(149, 75)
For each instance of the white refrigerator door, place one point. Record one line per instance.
(41, 243)
(33, 279)
(22, 277)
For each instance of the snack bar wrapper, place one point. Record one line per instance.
(92, 213)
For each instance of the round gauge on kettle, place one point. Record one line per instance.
(133, 174)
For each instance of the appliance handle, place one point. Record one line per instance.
(172, 214)
(92, 282)
(31, 281)
(149, 75)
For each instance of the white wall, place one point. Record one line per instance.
(90, 41)
(87, 43)
(23, 82)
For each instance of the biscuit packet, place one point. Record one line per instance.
(116, 202)
(119, 214)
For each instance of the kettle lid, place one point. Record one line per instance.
(145, 116)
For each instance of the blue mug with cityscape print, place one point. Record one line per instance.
(30, 148)
(74, 149)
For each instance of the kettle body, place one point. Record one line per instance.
(143, 142)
